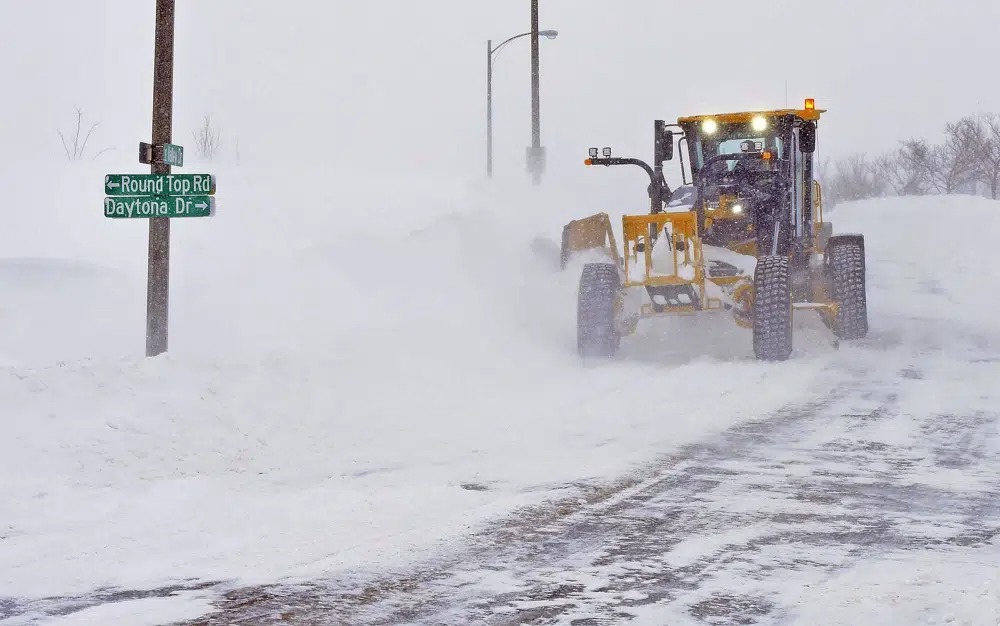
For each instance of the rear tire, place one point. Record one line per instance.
(597, 304)
(772, 309)
(847, 275)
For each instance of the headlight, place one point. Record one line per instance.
(759, 123)
(737, 208)
(709, 127)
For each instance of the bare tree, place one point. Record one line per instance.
(207, 139)
(916, 160)
(76, 147)
(987, 157)
(905, 170)
(853, 178)
(887, 169)
(968, 155)
(952, 163)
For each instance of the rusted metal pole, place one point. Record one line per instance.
(158, 271)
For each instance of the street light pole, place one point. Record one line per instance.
(536, 132)
(491, 54)
(489, 108)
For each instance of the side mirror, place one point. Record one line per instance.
(668, 145)
(663, 143)
(807, 138)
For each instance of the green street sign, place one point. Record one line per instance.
(159, 185)
(145, 207)
(173, 155)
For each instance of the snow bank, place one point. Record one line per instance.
(930, 257)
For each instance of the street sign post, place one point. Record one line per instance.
(159, 184)
(148, 207)
(158, 256)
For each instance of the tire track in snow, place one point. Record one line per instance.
(720, 532)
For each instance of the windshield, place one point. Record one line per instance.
(734, 139)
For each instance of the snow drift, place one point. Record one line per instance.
(357, 376)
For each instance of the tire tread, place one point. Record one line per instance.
(772, 309)
(847, 266)
(600, 287)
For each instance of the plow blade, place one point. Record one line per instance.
(589, 233)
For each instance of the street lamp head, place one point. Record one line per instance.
(549, 34)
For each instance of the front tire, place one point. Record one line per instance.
(597, 307)
(772, 309)
(849, 291)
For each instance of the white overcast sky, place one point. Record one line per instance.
(401, 83)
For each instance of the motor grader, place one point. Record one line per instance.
(745, 237)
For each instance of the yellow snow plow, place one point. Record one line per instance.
(746, 236)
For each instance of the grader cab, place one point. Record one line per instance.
(746, 237)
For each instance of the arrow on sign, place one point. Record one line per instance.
(111, 185)
(201, 205)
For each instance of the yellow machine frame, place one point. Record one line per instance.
(637, 262)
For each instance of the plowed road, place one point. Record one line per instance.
(891, 466)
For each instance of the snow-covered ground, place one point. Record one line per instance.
(341, 364)
(360, 375)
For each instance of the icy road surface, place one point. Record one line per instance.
(325, 446)
(873, 503)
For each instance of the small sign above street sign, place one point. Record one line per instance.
(167, 154)
(146, 207)
(159, 184)
(173, 155)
